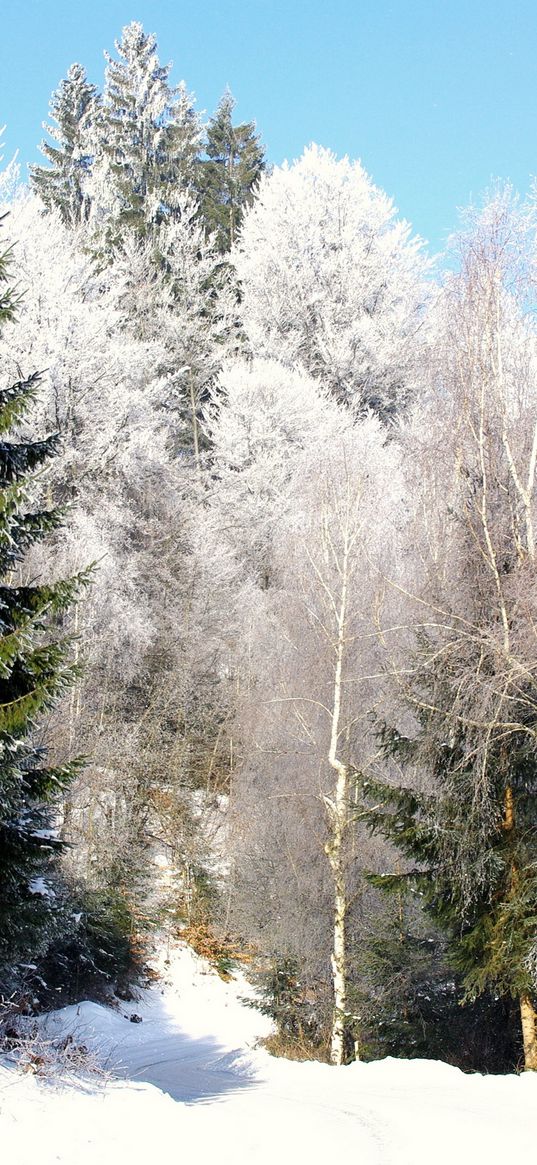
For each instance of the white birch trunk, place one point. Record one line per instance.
(334, 851)
(529, 1033)
(338, 818)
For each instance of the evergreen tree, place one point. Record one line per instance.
(34, 671)
(409, 996)
(149, 137)
(230, 172)
(64, 183)
(491, 928)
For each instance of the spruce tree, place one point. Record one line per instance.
(229, 174)
(476, 874)
(34, 671)
(64, 183)
(149, 136)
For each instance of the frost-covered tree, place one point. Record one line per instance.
(174, 289)
(101, 393)
(260, 416)
(464, 811)
(149, 138)
(146, 710)
(71, 322)
(332, 279)
(64, 184)
(316, 681)
(292, 526)
(229, 173)
(34, 671)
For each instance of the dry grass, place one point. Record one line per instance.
(57, 1060)
(295, 1048)
(222, 951)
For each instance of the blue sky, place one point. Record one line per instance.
(436, 98)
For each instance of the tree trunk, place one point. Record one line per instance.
(194, 422)
(338, 816)
(508, 810)
(529, 1033)
(334, 850)
(527, 1011)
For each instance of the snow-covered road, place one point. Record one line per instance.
(192, 1087)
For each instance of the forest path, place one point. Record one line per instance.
(195, 1040)
(187, 1082)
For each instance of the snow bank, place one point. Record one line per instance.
(193, 1086)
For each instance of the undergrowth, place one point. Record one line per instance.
(224, 952)
(26, 1046)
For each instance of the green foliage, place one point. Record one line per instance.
(411, 1000)
(227, 177)
(149, 134)
(63, 184)
(97, 951)
(202, 895)
(282, 997)
(472, 857)
(494, 950)
(127, 159)
(34, 671)
(8, 295)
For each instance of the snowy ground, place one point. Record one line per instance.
(192, 1087)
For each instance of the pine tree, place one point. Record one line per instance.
(230, 172)
(64, 184)
(34, 671)
(149, 137)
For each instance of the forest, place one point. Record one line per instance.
(268, 605)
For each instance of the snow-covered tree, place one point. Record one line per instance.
(174, 289)
(148, 141)
(99, 386)
(229, 173)
(147, 710)
(34, 672)
(332, 279)
(64, 184)
(259, 417)
(294, 532)
(101, 392)
(307, 723)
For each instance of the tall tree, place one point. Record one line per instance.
(294, 520)
(466, 815)
(34, 671)
(149, 137)
(64, 184)
(230, 172)
(175, 290)
(114, 346)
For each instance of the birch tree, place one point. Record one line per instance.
(306, 727)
